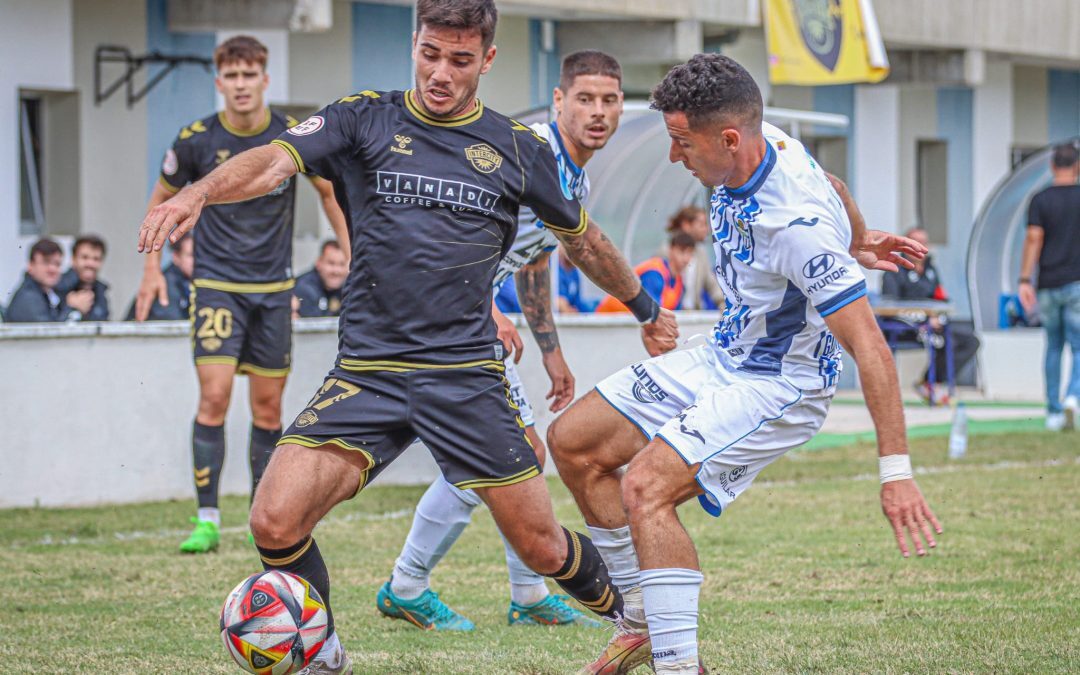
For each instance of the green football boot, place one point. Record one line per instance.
(426, 612)
(551, 611)
(203, 539)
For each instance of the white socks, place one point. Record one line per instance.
(526, 587)
(441, 515)
(617, 549)
(671, 608)
(211, 514)
(332, 653)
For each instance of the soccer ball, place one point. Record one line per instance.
(273, 623)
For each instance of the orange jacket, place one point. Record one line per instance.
(670, 297)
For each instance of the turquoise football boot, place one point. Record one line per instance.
(426, 612)
(551, 611)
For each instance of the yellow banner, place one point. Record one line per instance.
(813, 42)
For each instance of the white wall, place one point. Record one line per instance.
(36, 52)
(992, 129)
(112, 143)
(108, 418)
(877, 154)
(918, 121)
(505, 87)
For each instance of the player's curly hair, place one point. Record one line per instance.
(710, 88)
(478, 15)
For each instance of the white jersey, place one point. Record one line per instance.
(532, 237)
(781, 244)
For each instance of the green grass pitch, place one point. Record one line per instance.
(801, 575)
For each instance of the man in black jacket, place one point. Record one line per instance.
(81, 286)
(36, 299)
(924, 283)
(177, 285)
(318, 291)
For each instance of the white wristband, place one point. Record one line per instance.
(894, 467)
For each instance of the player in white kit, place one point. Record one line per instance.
(704, 422)
(588, 102)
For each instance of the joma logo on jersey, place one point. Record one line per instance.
(408, 188)
(402, 146)
(483, 157)
(646, 389)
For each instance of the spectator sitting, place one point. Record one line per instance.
(923, 283)
(36, 299)
(177, 284)
(318, 291)
(83, 291)
(702, 289)
(570, 300)
(662, 278)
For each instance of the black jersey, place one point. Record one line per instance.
(432, 207)
(247, 243)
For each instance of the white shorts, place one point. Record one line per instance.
(733, 423)
(517, 393)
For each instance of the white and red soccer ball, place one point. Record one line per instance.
(273, 623)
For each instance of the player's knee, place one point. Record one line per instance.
(214, 402)
(543, 554)
(639, 493)
(273, 528)
(562, 446)
(266, 413)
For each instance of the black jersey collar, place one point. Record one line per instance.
(458, 121)
(245, 132)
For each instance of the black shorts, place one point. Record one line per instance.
(462, 413)
(250, 330)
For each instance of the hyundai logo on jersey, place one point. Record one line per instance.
(818, 265)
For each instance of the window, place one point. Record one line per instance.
(48, 129)
(831, 152)
(932, 183)
(31, 203)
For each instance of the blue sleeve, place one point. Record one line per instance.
(653, 283)
(100, 309)
(506, 299)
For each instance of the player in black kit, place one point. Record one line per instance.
(431, 182)
(241, 303)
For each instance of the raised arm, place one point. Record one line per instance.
(533, 284)
(901, 500)
(250, 174)
(598, 258)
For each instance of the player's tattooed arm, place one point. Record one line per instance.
(533, 283)
(601, 261)
(250, 174)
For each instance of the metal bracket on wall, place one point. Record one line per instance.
(133, 64)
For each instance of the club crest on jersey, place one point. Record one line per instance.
(211, 344)
(483, 157)
(222, 155)
(170, 164)
(307, 418)
(402, 146)
(308, 126)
